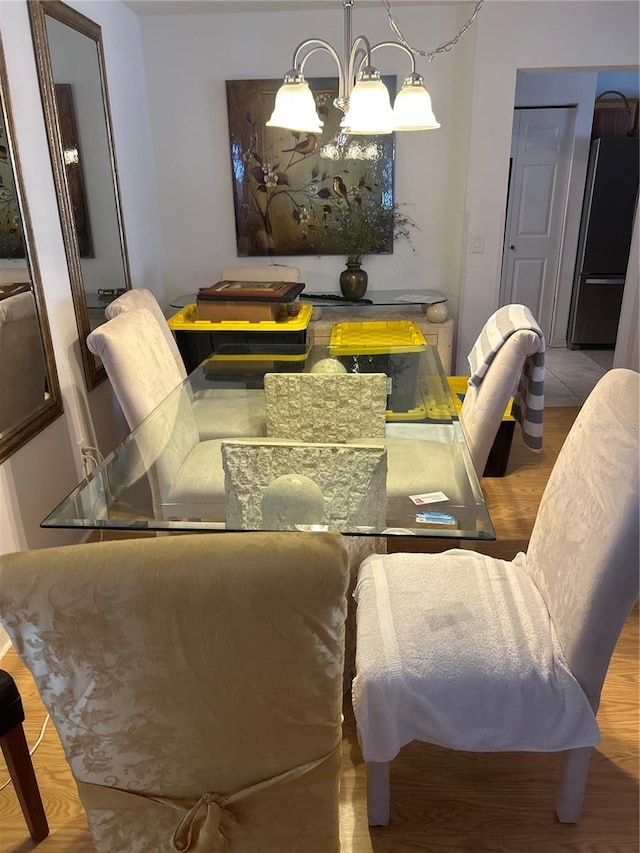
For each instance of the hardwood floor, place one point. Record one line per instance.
(441, 800)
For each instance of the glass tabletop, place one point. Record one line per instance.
(241, 445)
(379, 297)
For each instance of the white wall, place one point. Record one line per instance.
(625, 82)
(39, 475)
(512, 36)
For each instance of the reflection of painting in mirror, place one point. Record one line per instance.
(73, 162)
(284, 186)
(11, 245)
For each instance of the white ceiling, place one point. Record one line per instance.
(205, 7)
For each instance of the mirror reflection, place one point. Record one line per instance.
(73, 85)
(29, 391)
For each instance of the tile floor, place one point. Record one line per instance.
(571, 374)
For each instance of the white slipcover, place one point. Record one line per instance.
(471, 652)
(195, 684)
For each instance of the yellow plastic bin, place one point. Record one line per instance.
(249, 362)
(499, 454)
(392, 347)
(198, 339)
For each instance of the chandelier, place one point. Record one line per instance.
(362, 96)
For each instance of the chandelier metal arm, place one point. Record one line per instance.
(397, 45)
(360, 45)
(318, 45)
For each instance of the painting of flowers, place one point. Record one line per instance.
(287, 185)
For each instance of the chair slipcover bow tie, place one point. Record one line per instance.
(208, 823)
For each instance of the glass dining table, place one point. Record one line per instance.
(208, 455)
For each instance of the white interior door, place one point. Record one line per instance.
(541, 150)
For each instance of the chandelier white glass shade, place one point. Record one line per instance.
(295, 107)
(413, 104)
(362, 95)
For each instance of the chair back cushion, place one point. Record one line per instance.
(144, 374)
(140, 297)
(583, 552)
(195, 683)
(331, 407)
(137, 360)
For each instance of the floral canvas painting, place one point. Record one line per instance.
(286, 184)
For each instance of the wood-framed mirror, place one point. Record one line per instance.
(73, 84)
(30, 396)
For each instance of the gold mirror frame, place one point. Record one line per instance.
(39, 11)
(25, 429)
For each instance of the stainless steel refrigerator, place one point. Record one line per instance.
(604, 242)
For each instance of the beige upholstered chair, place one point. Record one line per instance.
(218, 412)
(513, 345)
(478, 654)
(185, 473)
(23, 372)
(195, 684)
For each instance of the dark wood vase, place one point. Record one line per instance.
(353, 280)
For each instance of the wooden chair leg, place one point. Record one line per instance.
(378, 793)
(16, 754)
(572, 784)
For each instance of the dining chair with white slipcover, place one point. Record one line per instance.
(474, 653)
(233, 412)
(185, 473)
(506, 360)
(195, 683)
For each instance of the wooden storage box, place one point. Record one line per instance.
(251, 312)
(247, 301)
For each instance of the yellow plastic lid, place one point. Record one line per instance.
(419, 413)
(242, 358)
(186, 320)
(376, 337)
(458, 386)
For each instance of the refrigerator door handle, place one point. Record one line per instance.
(617, 280)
